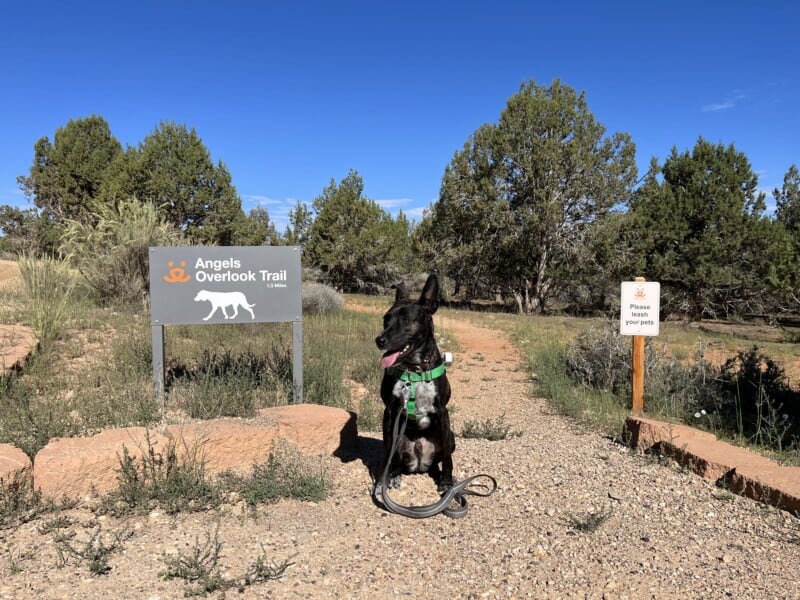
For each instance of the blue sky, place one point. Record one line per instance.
(291, 94)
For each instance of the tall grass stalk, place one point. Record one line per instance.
(112, 252)
(50, 284)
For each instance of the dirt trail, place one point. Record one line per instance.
(668, 533)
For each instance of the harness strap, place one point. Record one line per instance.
(456, 493)
(412, 378)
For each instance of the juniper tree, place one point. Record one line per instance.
(516, 200)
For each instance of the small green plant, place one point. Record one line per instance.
(18, 498)
(54, 525)
(26, 420)
(285, 474)
(94, 551)
(590, 521)
(262, 570)
(201, 569)
(489, 429)
(724, 495)
(15, 557)
(176, 484)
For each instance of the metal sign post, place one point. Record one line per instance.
(230, 284)
(640, 306)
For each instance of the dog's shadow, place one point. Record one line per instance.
(368, 450)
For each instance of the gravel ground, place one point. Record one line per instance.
(668, 534)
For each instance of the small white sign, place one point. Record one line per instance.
(640, 305)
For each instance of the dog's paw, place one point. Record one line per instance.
(393, 483)
(443, 485)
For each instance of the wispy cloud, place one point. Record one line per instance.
(391, 204)
(256, 200)
(715, 107)
(416, 213)
(730, 100)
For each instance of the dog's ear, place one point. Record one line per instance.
(400, 292)
(429, 300)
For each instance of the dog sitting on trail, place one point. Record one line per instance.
(414, 380)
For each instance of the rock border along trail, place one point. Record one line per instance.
(669, 533)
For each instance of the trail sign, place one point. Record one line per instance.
(230, 284)
(233, 284)
(640, 306)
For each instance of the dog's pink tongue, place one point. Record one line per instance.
(389, 359)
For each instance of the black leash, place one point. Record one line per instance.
(454, 495)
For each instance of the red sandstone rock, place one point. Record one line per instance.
(12, 460)
(16, 343)
(77, 467)
(316, 429)
(740, 469)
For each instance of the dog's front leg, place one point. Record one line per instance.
(445, 480)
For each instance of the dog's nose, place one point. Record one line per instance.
(380, 341)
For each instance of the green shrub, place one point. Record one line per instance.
(122, 398)
(200, 567)
(285, 474)
(112, 252)
(754, 399)
(176, 484)
(319, 299)
(488, 429)
(748, 396)
(214, 397)
(590, 521)
(28, 420)
(600, 358)
(340, 346)
(598, 407)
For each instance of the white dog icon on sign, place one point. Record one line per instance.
(222, 300)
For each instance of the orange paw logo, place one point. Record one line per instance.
(639, 293)
(177, 274)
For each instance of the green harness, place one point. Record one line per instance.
(412, 378)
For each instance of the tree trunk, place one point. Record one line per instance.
(526, 298)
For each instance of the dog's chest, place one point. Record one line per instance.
(424, 398)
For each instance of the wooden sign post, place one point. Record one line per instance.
(640, 304)
(637, 397)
